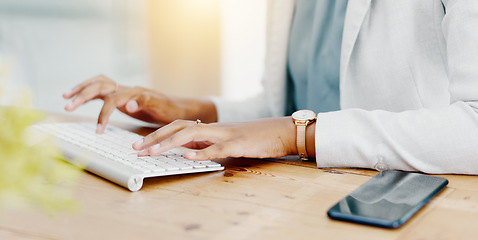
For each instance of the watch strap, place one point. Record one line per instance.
(300, 140)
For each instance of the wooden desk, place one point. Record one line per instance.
(251, 199)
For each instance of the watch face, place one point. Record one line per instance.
(303, 115)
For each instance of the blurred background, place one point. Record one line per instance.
(180, 47)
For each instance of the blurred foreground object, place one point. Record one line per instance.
(32, 174)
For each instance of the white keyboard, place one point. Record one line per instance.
(111, 156)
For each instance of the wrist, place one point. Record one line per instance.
(208, 113)
(303, 119)
(290, 144)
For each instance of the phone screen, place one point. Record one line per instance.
(389, 199)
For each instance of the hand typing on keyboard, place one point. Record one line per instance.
(140, 103)
(256, 139)
(110, 155)
(265, 138)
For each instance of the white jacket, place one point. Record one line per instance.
(408, 86)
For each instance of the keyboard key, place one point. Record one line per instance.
(210, 164)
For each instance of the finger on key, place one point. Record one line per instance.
(161, 134)
(78, 88)
(111, 102)
(193, 133)
(87, 94)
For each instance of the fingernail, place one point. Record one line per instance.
(69, 106)
(190, 155)
(138, 143)
(77, 100)
(99, 128)
(132, 106)
(143, 153)
(67, 93)
(154, 149)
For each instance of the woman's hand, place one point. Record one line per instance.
(137, 102)
(264, 138)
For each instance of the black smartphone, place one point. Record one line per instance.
(389, 199)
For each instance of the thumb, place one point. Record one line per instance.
(132, 106)
(216, 151)
(139, 102)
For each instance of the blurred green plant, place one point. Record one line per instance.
(32, 174)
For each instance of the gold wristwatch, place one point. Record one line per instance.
(301, 119)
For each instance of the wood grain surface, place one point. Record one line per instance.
(250, 199)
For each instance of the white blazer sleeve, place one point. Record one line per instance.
(442, 140)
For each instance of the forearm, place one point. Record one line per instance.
(208, 111)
